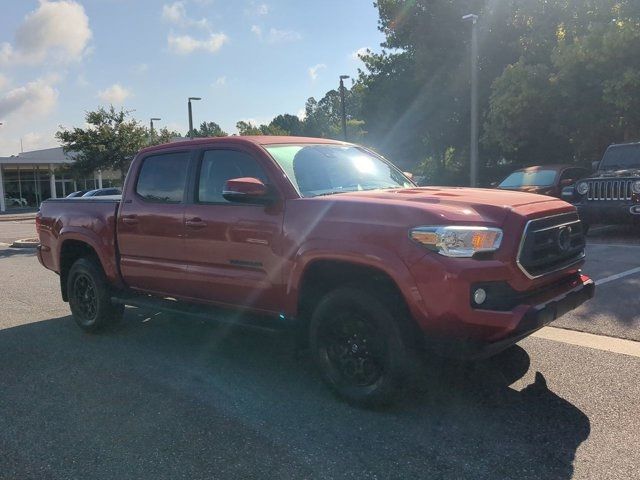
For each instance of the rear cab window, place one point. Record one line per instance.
(162, 178)
(218, 166)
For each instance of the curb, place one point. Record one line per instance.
(4, 218)
(26, 243)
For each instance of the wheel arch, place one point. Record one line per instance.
(72, 249)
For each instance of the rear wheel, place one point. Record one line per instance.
(89, 296)
(359, 347)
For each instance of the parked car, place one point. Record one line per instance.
(103, 192)
(327, 239)
(79, 193)
(544, 179)
(612, 194)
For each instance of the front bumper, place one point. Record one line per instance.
(523, 320)
(609, 212)
(537, 316)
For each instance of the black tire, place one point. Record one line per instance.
(90, 297)
(359, 347)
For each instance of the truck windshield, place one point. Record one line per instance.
(537, 178)
(328, 169)
(621, 157)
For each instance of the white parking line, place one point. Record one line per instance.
(589, 340)
(617, 245)
(611, 278)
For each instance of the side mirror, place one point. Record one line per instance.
(568, 194)
(246, 190)
(594, 165)
(566, 182)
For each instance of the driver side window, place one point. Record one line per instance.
(218, 166)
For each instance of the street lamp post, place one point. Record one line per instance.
(474, 97)
(344, 114)
(151, 127)
(191, 116)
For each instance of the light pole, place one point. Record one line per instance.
(191, 116)
(474, 97)
(344, 114)
(151, 126)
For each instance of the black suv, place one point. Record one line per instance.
(612, 194)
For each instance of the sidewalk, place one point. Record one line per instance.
(17, 216)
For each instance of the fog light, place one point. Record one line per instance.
(479, 296)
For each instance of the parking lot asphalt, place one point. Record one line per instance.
(16, 230)
(166, 397)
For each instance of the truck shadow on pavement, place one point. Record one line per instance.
(162, 397)
(17, 252)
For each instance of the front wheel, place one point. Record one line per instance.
(359, 347)
(89, 296)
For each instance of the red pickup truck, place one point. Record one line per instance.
(328, 238)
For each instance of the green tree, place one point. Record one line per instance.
(209, 129)
(110, 140)
(573, 91)
(247, 128)
(164, 135)
(290, 124)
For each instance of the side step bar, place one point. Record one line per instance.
(216, 314)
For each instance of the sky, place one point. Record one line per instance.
(248, 60)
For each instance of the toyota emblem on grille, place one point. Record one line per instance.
(564, 238)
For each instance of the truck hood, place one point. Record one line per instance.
(456, 204)
(546, 190)
(628, 172)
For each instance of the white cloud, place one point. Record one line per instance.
(115, 94)
(302, 113)
(57, 31)
(256, 30)
(176, 13)
(35, 99)
(313, 71)
(255, 9)
(39, 140)
(10, 135)
(140, 68)
(4, 82)
(220, 82)
(281, 36)
(82, 81)
(359, 52)
(186, 44)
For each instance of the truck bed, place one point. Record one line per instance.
(61, 222)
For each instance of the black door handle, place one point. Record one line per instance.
(195, 222)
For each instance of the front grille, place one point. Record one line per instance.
(609, 189)
(550, 244)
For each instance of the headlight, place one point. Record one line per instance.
(458, 241)
(635, 186)
(582, 188)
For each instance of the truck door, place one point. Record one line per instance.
(232, 248)
(150, 230)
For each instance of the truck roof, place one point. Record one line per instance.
(238, 139)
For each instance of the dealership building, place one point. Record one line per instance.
(29, 178)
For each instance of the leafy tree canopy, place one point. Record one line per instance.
(109, 141)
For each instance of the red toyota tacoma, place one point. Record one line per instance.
(328, 238)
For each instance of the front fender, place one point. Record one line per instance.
(372, 256)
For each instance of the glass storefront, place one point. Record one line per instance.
(27, 186)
